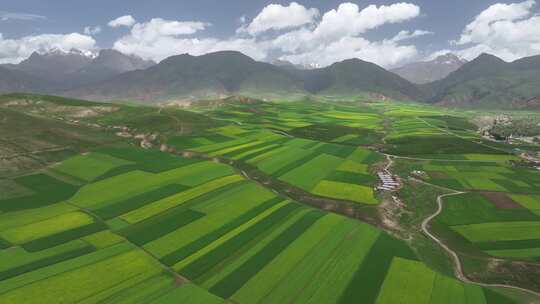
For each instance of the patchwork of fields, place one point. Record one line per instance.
(498, 213)
(119, 224)
(325, 169)
(191, 231)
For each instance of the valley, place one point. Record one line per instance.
(270, 152)
(240, 200)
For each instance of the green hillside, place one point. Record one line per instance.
(488, 81)
(232, 73)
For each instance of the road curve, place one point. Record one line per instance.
(458, 270)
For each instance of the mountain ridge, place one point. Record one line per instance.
(483, 82)
(233, 73)
(490, 81)
(66, 70)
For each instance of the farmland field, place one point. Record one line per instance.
(278, 205)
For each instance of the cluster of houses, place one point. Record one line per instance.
(388, 182)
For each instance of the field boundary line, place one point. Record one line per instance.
(458, 269)
(154, 257)
(461, 137)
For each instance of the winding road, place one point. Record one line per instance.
(458, 269)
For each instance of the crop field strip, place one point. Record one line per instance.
(233, 239)
(286, 160)
(494, 185)
(48, 260)
(490, 160)
(501, 222)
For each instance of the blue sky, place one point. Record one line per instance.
(305, 32)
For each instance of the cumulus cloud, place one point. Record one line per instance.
(338, 36)
(164, 47)
(349, 20)
(159, 38)
(126, 20)
(510, 31)
(92, 30)
(6, 16)
(299, 35)
(16, 50)
(279, 17)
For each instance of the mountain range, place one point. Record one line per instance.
(229, 72)
(111, 75)
(489, 81)
(60, 70)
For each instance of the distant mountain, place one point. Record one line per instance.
(429, 71)
(186, 76)
(55, 65)
(232, 73)
(488, 81)
(354, 76)
(66, 70)
(17, 81)
(106, 65)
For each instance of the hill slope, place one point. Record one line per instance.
(55, 65)
(66, 70)
(232, 73)
(490, 81)
(354, 76)
(17, 81)
(106, 65)
(182, 76)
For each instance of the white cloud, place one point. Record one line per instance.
(406, 35)
(126, 20)
(303, 38)
(166, 46)
(6, 16)
(384, 53)
(92, 30)
(279, 17)
(157, 27)
(158, 39)
(510, 31)
(338, 36)
(16, 50)
(482, 26)
(349, 20)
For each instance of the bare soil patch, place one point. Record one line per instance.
(501, 200)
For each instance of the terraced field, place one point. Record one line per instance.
(120, 224)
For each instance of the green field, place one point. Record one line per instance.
(266, 251)
(273, 204)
